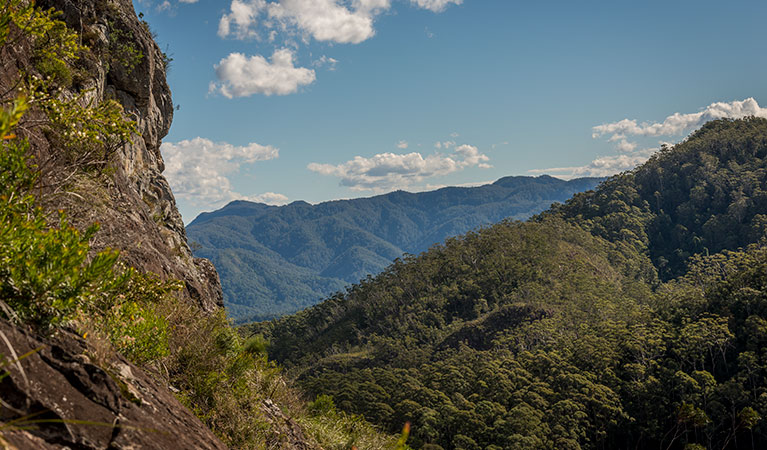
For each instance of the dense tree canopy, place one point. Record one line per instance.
(634, 316)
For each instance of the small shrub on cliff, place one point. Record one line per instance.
(88, 131)
(53, 41)
(134, 319)
(46, 274)
(122, 49)
(49, 277)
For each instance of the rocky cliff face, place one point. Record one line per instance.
(83, 404)
(134, 203)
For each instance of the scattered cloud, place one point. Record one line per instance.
(386, 171)
(198, 169)
(677, 123)
(402, 144)
(334, 21)
(243, 76)
(435, 5)
(444, 144)
(339, 21)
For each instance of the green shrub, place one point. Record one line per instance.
(256, 345)
(46, 273)
(133, 320)
(323, 404)
(122, 49)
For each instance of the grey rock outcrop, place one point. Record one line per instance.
(74, 403)
(135, 206)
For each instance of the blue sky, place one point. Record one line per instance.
(284, 100)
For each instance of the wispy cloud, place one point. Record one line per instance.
(198, 170)
(325, 61)
(601, 167)
(435, 5)
(243, 76)
(387, 171)
(444, 144)
(165, 6)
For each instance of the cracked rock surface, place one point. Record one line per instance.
(71, 402)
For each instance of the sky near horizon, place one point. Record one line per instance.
(316, 100)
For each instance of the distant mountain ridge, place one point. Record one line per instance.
(277, 260)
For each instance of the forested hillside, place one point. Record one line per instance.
(607, 322)
(278, 260)
(706, 194)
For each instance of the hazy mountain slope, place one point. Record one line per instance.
(557, 333)
(277, 260)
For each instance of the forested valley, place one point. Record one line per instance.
(631, 316)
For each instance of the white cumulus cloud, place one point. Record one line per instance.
(677, 123)
(403, 144)
(626, 146)
(326, 20)
(243, 76)
(386, 171)
(241, 18)
(339, 21)
(198, 169)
